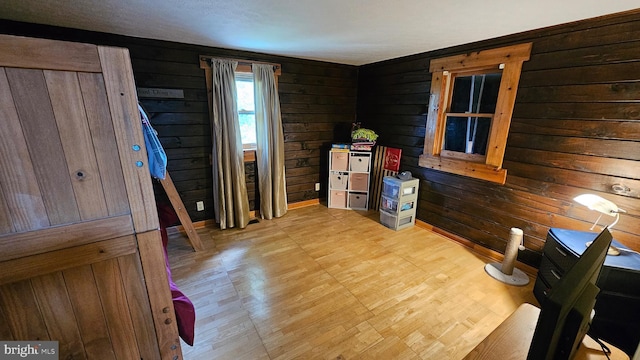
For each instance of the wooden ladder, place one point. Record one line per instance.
(178, 206)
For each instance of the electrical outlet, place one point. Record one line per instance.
(317, 186)
(200, 205)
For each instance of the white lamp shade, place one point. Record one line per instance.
(597, 203)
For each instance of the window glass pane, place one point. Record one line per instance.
(476, 93)
(246, 107)
(467, 134)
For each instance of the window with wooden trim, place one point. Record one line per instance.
(245, 100)
(246, 109)
(470, 108)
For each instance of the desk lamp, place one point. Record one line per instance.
(604, 207)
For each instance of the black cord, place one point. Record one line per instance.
(605, 348)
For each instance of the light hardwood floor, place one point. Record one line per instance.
(324, 283)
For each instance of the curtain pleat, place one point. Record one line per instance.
(231, 204)
(269, 143)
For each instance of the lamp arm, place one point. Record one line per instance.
(596, 222)
(614, 222)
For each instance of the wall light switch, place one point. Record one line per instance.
(317, 186)
(200, 205)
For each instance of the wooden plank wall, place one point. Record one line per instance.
(575, 129)
(318, 104)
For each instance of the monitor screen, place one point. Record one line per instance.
(566, 311)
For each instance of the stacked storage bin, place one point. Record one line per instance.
(349, 179)
(398, 202)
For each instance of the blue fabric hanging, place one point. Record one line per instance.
(155, 153)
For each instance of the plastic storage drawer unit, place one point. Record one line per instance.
(398, 202)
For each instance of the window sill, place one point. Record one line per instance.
(465, 168)
(249, 155)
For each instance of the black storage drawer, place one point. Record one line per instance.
(559, 253)
(549, 271)
(540, 289)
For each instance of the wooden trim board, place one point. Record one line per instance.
(480, 250)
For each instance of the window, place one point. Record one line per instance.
(468, 120)
(470, 107)
(245, 99)
(246, 109)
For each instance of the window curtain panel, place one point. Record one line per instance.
(231, 204)
(269, 143)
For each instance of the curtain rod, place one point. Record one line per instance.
(240, 61)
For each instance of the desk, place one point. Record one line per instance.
(511, 340)
(617, 319)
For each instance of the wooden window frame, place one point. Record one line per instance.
(444, 72)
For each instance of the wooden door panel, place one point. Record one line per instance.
(100, 310)
(84, 297)
(114, 303)
(75, 190)
(150, 247)
(5, 330)
(22, 245)
(139, 306)
(73, 127)
(5, 220)
(118, 79)
(44, 263)
(44, 105)
(25, 322)
(29, 91)
(104, 142)
(58, 315)
(18, 180)
(24, 52)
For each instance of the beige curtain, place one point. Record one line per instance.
(231, 205)
(269, 143)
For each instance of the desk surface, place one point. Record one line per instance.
(511, 340)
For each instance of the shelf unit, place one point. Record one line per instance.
(349, 179)
(398, 202)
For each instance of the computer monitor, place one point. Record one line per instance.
(566, 311)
